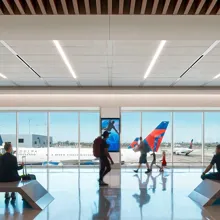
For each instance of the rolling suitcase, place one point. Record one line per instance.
(25, 175)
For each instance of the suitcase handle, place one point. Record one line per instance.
(24, 168)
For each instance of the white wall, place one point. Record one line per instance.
(114, 27)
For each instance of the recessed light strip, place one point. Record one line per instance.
(217, 76)
(64, 57)
(3, 76)
(155, 57)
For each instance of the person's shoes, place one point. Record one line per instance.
(148, 171)
(102, 183)
(7, 196)
(136, 171)
(13, 196)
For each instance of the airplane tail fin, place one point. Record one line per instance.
(1, 141)
(154, 139)
(191, 144)
(134, 143)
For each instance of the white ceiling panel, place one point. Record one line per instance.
(110, 62)
(94, 82)
(125, 82)
(190, 82)
(159, 81)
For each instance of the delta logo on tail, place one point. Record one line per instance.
(153, 140)
(191, 144)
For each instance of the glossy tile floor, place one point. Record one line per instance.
(78, 197)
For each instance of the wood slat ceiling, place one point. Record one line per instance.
(133, 7)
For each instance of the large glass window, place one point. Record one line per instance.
(212, 138)
(89, 130)
(7, 130)
(150, 121)
(187, 138)
(64, 138)
(130, 129)
(32, 127)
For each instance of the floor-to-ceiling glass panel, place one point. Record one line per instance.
(187, 138)
(32, 137)
(157, 127)
(7, 130)
(89, 130)
(130, 130)
(64, 138)
(212, 139)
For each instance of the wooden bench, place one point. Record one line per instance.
(32, 192)
(207, 193)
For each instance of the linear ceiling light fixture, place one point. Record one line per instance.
(155, 57)
(217, 76)
(211, 47)
(19, 57)
(64, 57)
(3, 76)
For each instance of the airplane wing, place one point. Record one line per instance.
(154, 139)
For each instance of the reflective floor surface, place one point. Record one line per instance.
(129, 196)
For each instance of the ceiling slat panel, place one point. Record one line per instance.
(143, 6)
(19, 6)
(132, 6)
(64, 6)
(121, 6)
(155, 5)
(109, 7)
(53, 6)
(188, 7)
(87, 6)
(8, 6)
(166, 6)
(31, 7)
(211, 6)
(76, 7)
(98, 7)
(42, 8)
(177, 7)
(199, 8)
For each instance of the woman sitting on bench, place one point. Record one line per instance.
(9, 168)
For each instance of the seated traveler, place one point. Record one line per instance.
(9, 168)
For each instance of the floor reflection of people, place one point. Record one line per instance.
(143, 198)
(104, 207)
(164, 182)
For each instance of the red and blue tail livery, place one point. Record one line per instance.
(134, 143)
(153, 140)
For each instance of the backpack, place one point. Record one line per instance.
(96, 146)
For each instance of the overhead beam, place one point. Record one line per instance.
(19, 6)
(177, 7)
(218, 12)
(199, 8)
(121, 6)
(166, 6)
(211, 6)
(64, 6)
(76, 7)
(53, 7)
(188, 7)
(1, 12)
(155, 5)
(143, 6)
(98, 7)
(31, 7)
(109, 7)
(8, 6)
(132, 6)
(42, 8)
(87, 6)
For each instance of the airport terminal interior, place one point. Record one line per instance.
(147, 72)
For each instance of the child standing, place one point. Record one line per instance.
(164, 162)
